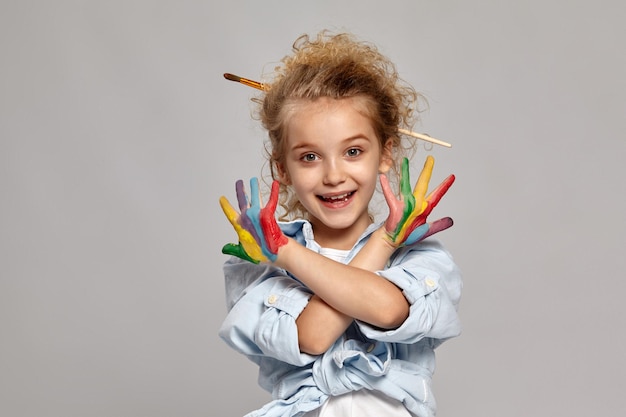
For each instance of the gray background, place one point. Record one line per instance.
(118, 135)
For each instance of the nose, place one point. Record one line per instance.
(334, 172)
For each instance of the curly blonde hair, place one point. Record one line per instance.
(337, 66)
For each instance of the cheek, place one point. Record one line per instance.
(373, 182)
(372, 177)
(300, 179)
(303, 184)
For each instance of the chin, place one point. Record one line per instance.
(339, 224)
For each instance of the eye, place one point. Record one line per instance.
(353, 152)
(309, 157)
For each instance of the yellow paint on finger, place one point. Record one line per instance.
(422, 182)
(246, 239)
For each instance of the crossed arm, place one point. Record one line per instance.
(342, 293)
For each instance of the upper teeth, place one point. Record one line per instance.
(339, 197)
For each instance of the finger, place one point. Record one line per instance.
(254, 211)
(238, 221)
(422, 182)
(254, 193)
(405, 190)
(251, 246)
(387, 192)
(273, 200)
(438, 226)
(417, 234)
(274, 237)
(238, 251)
(229, 211)
(428, 229)
(435, 196)
(242, 199)
(405, 181)
(243, 219)
(247, 224)
(395, 206)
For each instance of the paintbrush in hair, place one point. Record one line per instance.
(261, 86)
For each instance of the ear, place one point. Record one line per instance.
(282, 174)
(386, 157)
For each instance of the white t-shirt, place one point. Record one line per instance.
(363, 403)
(335, 254)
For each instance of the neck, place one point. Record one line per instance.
(342, 239)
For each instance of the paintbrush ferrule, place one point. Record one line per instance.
(245, 81)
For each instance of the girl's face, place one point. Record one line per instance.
(332, 161)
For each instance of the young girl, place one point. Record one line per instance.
(341, 315)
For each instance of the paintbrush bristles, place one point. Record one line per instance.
(245, 81)
(231, 77)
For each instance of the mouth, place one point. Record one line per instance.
(337, 198)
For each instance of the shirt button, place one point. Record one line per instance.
(430, 282)
(272, 299)
(370, 347)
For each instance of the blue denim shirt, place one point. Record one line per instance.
(264, 301)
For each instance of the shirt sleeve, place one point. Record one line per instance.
(264, 303)
(431, 283)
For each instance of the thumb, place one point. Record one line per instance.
(238, 251)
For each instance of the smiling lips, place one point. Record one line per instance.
(336, 199)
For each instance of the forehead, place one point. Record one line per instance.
(329, 117)
(327, 122)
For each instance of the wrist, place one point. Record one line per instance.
(385, 239)
(283, 253)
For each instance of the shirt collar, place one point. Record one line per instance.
(302, 230)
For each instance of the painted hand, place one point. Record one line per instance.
(259, 234)
(406, 223)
